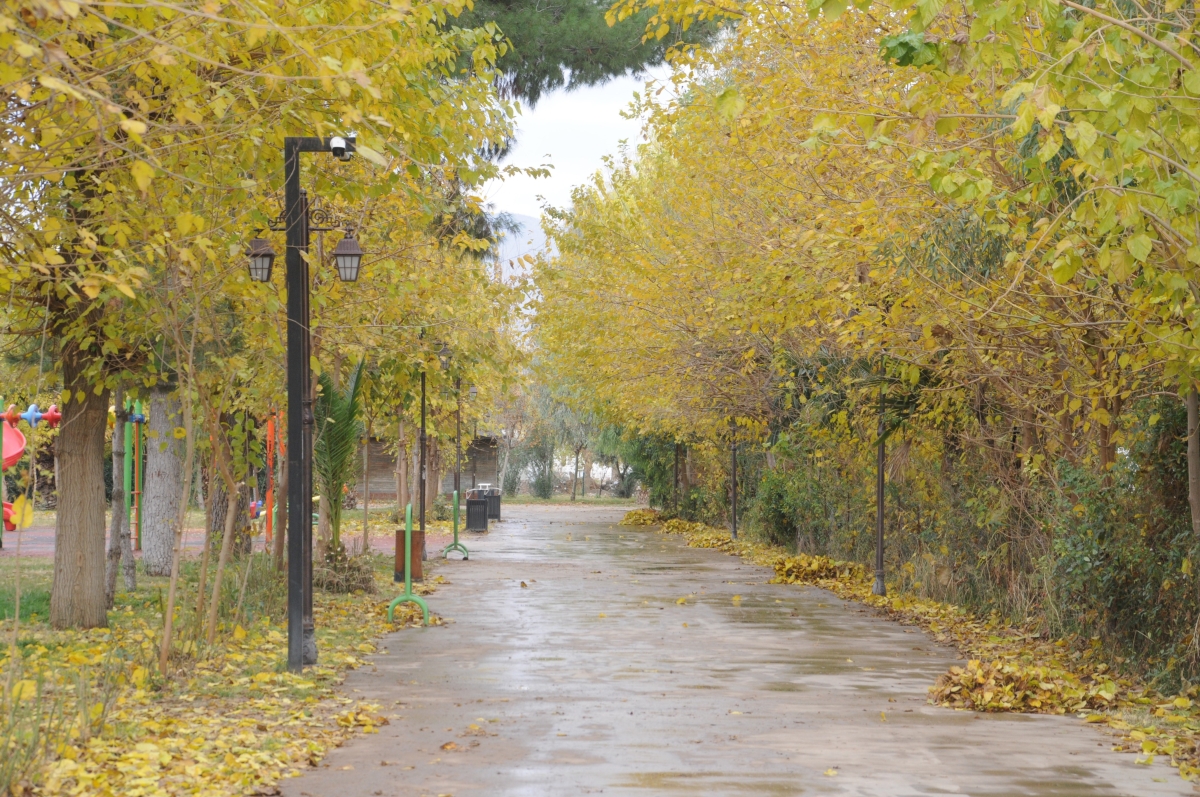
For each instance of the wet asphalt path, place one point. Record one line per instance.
(593, 679)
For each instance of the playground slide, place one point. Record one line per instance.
(14, 449)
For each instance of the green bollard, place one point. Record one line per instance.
(407, 596)
(456, 545)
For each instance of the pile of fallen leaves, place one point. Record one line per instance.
(1011, 686)
(806, 569)
(231, 721)
(641, 517)
(1010, 668)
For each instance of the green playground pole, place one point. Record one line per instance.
(456, 545)
(407, 596)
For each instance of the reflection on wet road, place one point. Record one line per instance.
(581, 657)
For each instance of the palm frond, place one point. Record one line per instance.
(338, 431)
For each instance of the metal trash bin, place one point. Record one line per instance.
(477, 514)
(493, 504)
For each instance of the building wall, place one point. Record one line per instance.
(480, 464)
(383, 470)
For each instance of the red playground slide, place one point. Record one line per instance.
(14, 449)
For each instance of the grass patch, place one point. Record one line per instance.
(35, 603)
(35, 589)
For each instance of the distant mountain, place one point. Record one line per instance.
(530, 240)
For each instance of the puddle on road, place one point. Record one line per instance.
(784, 686)
(723, 782)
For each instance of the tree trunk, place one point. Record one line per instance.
(402, 469)
(432, 480)
(200, 488)
(220, 501)
(281, 506)
(1193, 456)
(119, 520)
(575, 473)
(414, 476)
(128, 563)
(177, 526)
(401, 480)
(77, 597)
(324, 526)
(504, 452)
(366, 490)
(207, 555)
(222, 562)
(685, 474)
(164, 489)
(587, 471)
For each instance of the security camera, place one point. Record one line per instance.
(337, 145)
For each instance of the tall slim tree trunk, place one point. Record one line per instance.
(401, 470)
(401, 480)
(685, 474)
(324, 525)
(77, 596)
(414, 477)
(199, 487)
(207, 555)
(118, 520)
(281, 508)
(214, 603)
(433, 480)
(587, 472)
(366, 490)
(185, 483)
(1193, 456)
(128, 563)
(504, 452)
(164, 489)
(575, 473)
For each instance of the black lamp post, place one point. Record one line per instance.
(296, 222)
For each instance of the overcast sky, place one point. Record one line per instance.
(572, 131)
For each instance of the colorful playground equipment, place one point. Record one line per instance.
(12, 444)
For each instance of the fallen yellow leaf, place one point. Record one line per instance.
(24, 690)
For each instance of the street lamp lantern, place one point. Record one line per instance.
(348, 256)
(444, 357)
(473, 392)
(261, 257)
